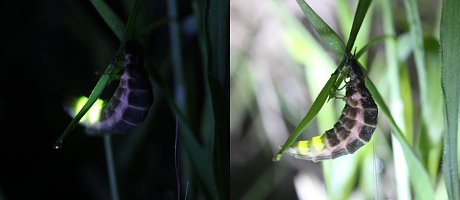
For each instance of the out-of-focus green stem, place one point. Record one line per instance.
(111, 167)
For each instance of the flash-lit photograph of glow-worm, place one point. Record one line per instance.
(377, 135)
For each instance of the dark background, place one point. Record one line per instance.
(51, 52)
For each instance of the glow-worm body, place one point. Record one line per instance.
(132, 98)
(354, 127)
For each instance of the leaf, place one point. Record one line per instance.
(371, 43)
(450, 83)
(97, 91)
(416, 34)
(418, 175)
(112, 69)
(213, 17)
(363, 7)
(312, 112)
(329, 36)
(111, 19)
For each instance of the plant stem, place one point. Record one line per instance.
(176, 53)
(111, 167)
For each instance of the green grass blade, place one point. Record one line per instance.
(363, 7)
(329, 36)
(219, 86)
(315, 108)
(114, 22)
(176, 54)
(111, 167)
(201, 160)
(97, 91)
(371, 43)
(107, 77)
(132, 19)
(344, 17)
(395, 95)
(213, 17)
(111, 19)
(199, 157)
(416, 33)
(419, 177)
(450, 83)
(433, 129)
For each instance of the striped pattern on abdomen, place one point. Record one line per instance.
(132, 98)
(354, 128)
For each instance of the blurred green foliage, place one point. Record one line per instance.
(406, 147)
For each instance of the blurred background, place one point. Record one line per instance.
(53, 52)
(278, 65)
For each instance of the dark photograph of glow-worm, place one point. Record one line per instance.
(114, 100)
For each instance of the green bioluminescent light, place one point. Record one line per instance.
(93, 114)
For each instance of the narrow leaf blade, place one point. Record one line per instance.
(315, 108)
(97, 91)
(111, 19)
(363, 7)
(418, 175)
(329, 36)
(450, 83)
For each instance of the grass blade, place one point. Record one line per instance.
(197, 154)
(433, 130)
(418, 175)
(97, 91)
(363, 7)
(329, 36)
(450, 83)
(111, 19)
(371, 43)
(201, 161)
(213, 17)
(395, 96)
(176, 53)
(111, 70)
(132, 19)
(111, 167)
(315, 108)
(416, 33)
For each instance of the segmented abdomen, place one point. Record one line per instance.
(131, 101)
(353, 129)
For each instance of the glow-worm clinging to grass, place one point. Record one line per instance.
(354, 127)
(131, 100)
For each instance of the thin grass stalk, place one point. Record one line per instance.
(110, 17)
(176, 54)
(111, 167)
(419, 52)
(179, 89)
(330, 37)
(418, 175)
(402, 182)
